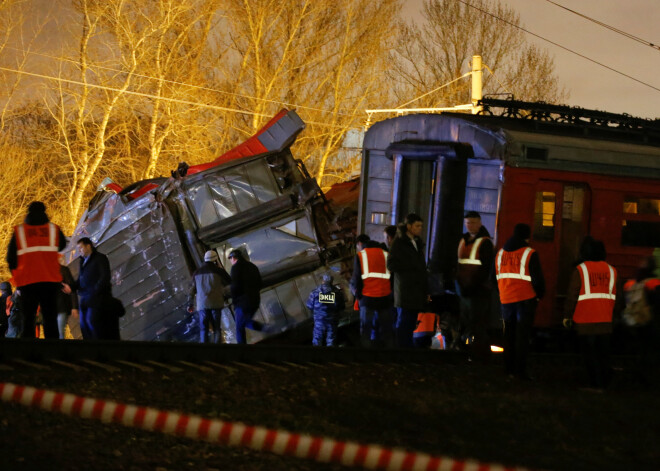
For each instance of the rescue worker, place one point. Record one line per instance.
(245, 294)
(325, 302)
(207, 290)
(32, 259)
(406, 263)
(590, 302)
(521, 285)
(427, 323)
(473, 283)
(372, 288)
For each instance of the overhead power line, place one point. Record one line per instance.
(486, 12)
(174, 82)
(611, 28)
(130, 92)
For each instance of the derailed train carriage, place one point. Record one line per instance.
(566, 172)
(256, 198)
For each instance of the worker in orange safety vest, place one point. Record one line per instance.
(473, 284)
(372, 288)
(521, 284)
(32, 256)
(427, 323)
(591, 300)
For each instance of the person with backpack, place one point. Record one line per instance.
(640, 315)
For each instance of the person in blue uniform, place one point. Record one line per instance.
(326, 302)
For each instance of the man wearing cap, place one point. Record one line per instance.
(325, 302)
(207, 288)
(32, 259)
(521, 284)
(245, 293)
(475, 261)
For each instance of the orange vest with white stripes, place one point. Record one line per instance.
(597, 294)
(513, 278)
(36, 247)
(469, 262)
(375, 275)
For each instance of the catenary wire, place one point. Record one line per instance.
(173, 100)
(174, 82)
(560, 46)
(611, 28)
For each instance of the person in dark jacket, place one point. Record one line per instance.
(67, 304)
(207, 289)
(32, 259)
(95, 292)
(406, 263)
(245, 293)
(5, 294)
(326, 302)
(521, 285)
(473, 283)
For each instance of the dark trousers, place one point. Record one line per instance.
(208, 318)
(325, 330)
(518, 320)
(243, 316)
(40, 295)
(406, 323)
(97, 324)
(475, 314)
(596, 354)
(376, 327)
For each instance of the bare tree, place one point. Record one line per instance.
(439, 51)
(326, 56)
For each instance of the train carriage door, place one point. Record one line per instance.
(560, 223)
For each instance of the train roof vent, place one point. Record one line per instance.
(536, 153)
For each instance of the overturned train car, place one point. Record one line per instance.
(256, 198)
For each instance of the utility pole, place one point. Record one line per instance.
(477, 82)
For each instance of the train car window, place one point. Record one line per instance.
(544, 215)
(536, 153)
(641, 222)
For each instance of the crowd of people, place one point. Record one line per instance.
(390, 285)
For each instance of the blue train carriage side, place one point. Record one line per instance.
(566, 172)
(256, 197)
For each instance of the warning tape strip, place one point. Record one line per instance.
(237, 434)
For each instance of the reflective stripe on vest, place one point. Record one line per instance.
(515, 286)
(587, 285)
(373, 274)
(472, 259)
(37, 252)
(22, 246)
(595, 304)
(523, 266)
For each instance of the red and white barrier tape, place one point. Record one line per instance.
(237, 434)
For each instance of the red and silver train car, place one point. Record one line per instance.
(567, 172)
